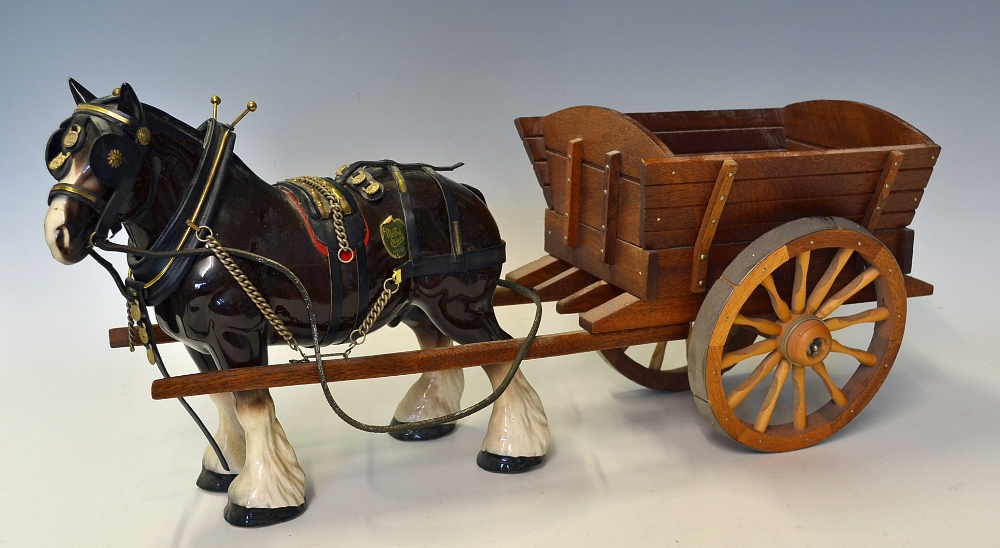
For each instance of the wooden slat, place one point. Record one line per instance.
(882, 189)
(679, 218)
(709, 224)
(574, 162)
(760, 190)
(634, 269)
(714, 141)
(404, 363)
(749, 232)
(589, 297)
(708, 119)
(537, 271)
(530, 130)
(795, 144)
(674, 266)
(593, 201)
(564, 284)
(612, 173)
(769, 165)
(628, 312)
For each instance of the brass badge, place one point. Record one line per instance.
(115, 158)
(143, 136)
(58, 161)
(72, 136)
(393, 237)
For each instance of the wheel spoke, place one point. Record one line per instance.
(799, 407)
(865, 358)
(868, 316)
(779, 306)
(730, 359)
(859, 282)
(771, 399)
(826, 282)
(799, 287)
(656, 360)
(836, 395)
(740, 393)
(764, 327)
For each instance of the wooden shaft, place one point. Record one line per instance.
(771, 399)
(799, 285)
(574, 166)
(404, 363)
(857, 284)
(868, 316)
(709, 224)
(730, 359)
(612, 173)
(740, 393)
(777, 303)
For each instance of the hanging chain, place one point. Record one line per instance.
(321, 186)
(389, 288)
(205, 235)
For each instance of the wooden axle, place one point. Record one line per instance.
(404, 363)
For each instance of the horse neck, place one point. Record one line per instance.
(177, 152)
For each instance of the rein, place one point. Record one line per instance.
(317, 352)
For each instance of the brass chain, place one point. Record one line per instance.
(389, 288)
(322, 187)
(258, 300)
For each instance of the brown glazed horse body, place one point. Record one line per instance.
(132, 164)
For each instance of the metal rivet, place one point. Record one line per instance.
(878, 208)
(730, 173)
(859, 243)
(568, 180)
(713, 221)
(887, 185)
(753, 254)
(565, 214)
(605, 192)
(763, 270)
(721, 198)
(933, 157)
(703, 257)
(606, 166)
(603, 227)
(899, 315)
(701, 283)
(852, 410)
(565, 239)
(602, 252)
(916, 199)
(640, 273)
(675, 173)
(657, 219)
(895, 163)
(811, 242)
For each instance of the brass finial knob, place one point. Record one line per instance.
(216, 100)
(251, 106)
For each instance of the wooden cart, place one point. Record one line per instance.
(756, 225)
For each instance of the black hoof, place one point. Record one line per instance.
(506, 465)
(213, 481)
(423, 434)
(260, 517)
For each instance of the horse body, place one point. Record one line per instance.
(222, 328)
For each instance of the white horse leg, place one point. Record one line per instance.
(433, 395)
(271, 486)
(232, 441)
(518, 433)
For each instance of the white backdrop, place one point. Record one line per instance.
(90, 460)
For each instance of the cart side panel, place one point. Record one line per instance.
(771, 188)
(846, 124)
(714, 131)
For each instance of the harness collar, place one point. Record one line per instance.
(157, 278)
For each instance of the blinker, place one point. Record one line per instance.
(115, 160)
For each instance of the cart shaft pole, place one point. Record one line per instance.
(404, 363)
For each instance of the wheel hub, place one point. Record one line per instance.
(806, 340)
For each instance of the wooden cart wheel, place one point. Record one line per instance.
(652, 375)
(804, 271)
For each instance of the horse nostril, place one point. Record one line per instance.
(63, 240)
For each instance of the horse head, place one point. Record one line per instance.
(96, 156)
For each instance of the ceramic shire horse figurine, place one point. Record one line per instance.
(119, 163)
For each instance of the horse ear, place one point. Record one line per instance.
(80, 93)
(129, 103)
